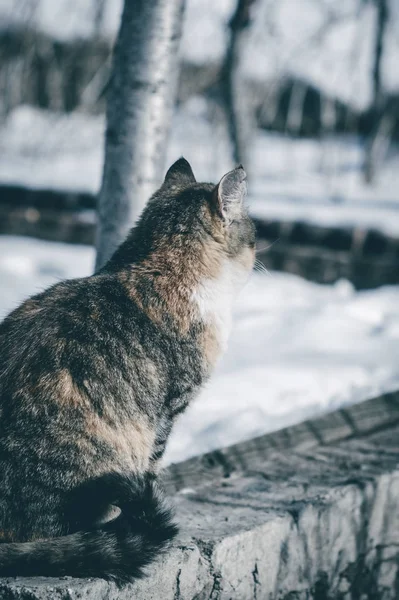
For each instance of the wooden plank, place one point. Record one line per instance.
(372, 415)
(350, 422)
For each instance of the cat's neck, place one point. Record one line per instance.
(166, 284)
(188, 292)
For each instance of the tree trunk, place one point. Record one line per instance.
(382, 126)
(235, 97)
(382, 22)
(139, 111)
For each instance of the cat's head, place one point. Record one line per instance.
(186, 213)
(195, 238)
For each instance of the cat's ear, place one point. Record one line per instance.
(230, 194)
(179, 174)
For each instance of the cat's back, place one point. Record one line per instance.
(71, 369)
(43, 318)
(71, 309)
(69, 326)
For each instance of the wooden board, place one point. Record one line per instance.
(349, 422)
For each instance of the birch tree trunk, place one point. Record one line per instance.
(139, 111)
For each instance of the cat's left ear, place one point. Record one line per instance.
(230, 194)
(180, 174)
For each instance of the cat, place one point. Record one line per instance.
(93, 373)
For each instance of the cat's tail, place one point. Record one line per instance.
(118, 550)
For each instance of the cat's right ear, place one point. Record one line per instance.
(230, 194)
(179, 175)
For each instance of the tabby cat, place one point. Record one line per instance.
(93, 373)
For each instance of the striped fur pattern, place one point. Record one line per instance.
(94, 372)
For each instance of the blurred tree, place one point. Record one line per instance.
(235, 97)
(382, 22)
(384, 122)
(99, 10)
(139, 111)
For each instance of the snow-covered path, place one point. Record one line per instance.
(297, 348)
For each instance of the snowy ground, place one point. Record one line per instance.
(317, 181)
(297, 348)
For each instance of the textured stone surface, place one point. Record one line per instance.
(306, 522)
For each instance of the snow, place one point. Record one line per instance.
(29, 266)
(318, 181)
(205, 33)
(297, 349)
(322, 182)
(46, 150)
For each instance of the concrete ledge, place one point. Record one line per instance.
(297, 521)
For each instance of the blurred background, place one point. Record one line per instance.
(306, 94)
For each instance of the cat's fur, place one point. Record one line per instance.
(93, 373)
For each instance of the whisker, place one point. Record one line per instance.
(263, 271)
(264, 248)
(260, 268)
